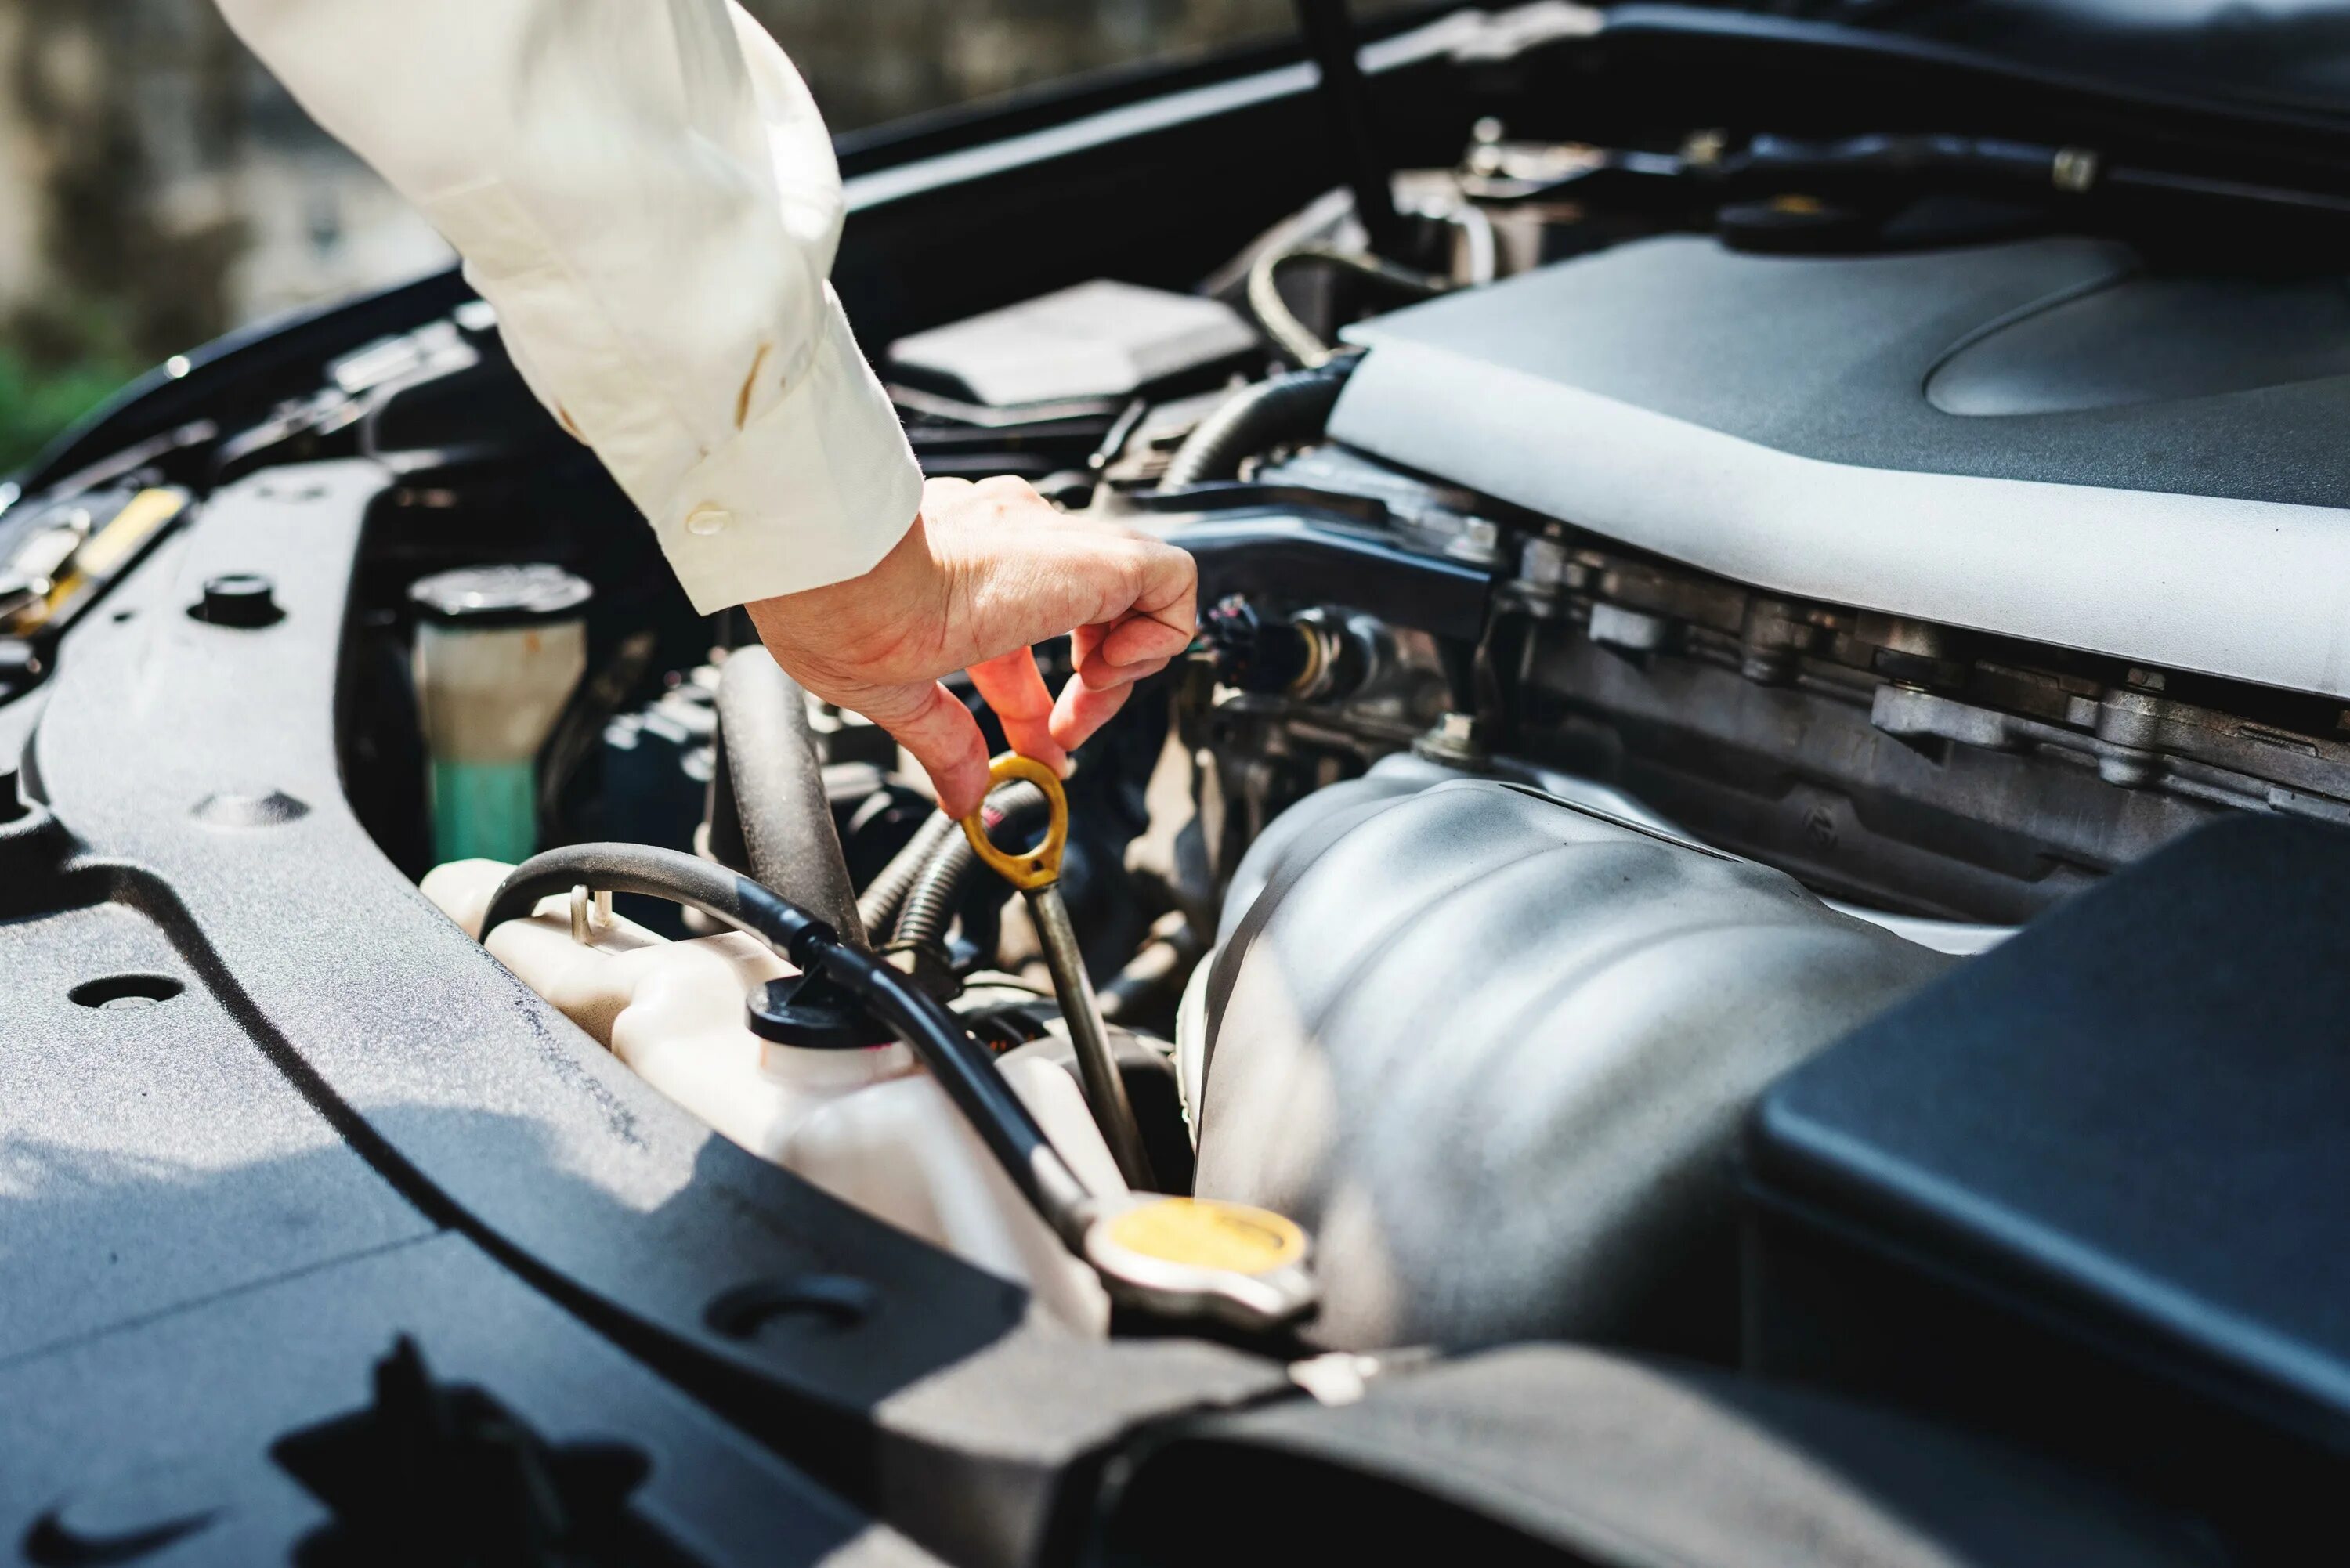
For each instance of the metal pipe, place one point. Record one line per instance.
(1096, 1063)
(1329, 30)
(1037, 874)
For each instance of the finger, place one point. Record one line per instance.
(1168, 592)
(1139, 638)
(1087, 649)
(1014, 688)
(1104, 678)
(1105, 655)
(1082, 711)
(929, 721)
(1029, 573)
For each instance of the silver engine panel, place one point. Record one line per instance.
(1492, 1049)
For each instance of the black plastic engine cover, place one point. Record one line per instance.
(1560, 1454)
(2112, 1148)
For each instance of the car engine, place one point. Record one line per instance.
(1725, 663)
(1679, 650)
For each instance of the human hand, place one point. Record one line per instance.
(987, 570)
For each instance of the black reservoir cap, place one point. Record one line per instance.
(247, 600)
(811, 1013)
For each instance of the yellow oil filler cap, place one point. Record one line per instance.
(1184, 1257)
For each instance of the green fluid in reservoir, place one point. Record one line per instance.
(484, 811)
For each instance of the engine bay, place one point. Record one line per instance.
(1542, 783)
(1769, 714)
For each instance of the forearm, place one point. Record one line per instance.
(645, 192)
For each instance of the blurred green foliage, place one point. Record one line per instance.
(56, 363)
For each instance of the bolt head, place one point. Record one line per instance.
(1456, 738)
(1479, 540)
(1543, 564)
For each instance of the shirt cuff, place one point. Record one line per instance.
(815, 489)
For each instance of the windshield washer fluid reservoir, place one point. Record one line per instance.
(868, 1125)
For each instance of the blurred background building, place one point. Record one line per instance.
(157, 187)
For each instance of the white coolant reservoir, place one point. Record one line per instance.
(868, 1125)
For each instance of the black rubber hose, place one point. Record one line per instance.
(937, 891)
(964, 1067)
(1274, 412)
(774, 779)
(883, 897)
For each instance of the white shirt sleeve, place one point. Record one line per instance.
(645, 192)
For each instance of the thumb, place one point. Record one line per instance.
(939, 732)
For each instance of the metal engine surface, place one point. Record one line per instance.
(1492, 1049)
(2041, 439)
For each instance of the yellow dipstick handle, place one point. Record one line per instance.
(1041, 866)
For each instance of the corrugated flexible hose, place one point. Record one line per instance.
(938, 891)
(1275, 413)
